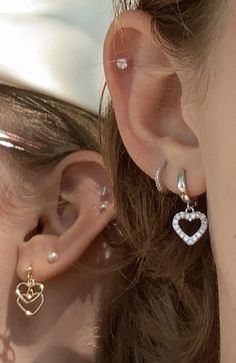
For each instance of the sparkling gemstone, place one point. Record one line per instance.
(122, 63)
(190, 216)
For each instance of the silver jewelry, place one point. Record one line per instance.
(122, 63)
(105, 191)
(104, 206)
(189, 214)
(52, 257)
(158, 173)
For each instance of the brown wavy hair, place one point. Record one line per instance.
(168, 312)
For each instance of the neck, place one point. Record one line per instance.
(227, 303)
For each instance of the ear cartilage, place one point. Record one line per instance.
(52, 257)
(122, 63)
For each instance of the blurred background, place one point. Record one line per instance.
(55, 46)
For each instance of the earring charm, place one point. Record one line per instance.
(189, 214)
(29, 294)
(158, 174)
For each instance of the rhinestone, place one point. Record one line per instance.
(122, 63)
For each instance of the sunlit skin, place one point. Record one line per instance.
(197, 134)
(66, 327)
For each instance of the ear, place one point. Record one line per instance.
(77, 206)
(148, 103)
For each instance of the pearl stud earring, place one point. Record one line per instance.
(52, 257)
(122, 63)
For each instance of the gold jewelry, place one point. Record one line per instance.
(29, 294)
(189, 214)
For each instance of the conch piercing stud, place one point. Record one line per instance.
(122, 63)
(158, 173)
(29, 294)
(189, 214)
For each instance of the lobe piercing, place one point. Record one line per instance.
(52, 257)
(122, 63)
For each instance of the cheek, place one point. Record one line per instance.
(217, 125)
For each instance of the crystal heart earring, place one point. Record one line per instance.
(29, 294)
(189, 214)
(158, 173)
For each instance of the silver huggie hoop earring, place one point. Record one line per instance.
(158, 173)
(189, 214)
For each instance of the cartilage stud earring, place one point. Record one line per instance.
(122, 63)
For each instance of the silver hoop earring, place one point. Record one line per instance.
(158, 173)
(189, 214)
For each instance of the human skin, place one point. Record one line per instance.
(66, 327)
(189, 122)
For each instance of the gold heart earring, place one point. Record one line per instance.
(29, 294)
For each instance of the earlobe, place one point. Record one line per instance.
(79, 208)
(146, 93)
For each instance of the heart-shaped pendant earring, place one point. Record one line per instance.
(29, 294)
(189, 214)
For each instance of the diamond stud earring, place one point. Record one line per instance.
(122, 63)
(104, 206)
(189, 214)
(52, 257)
(105, 193)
